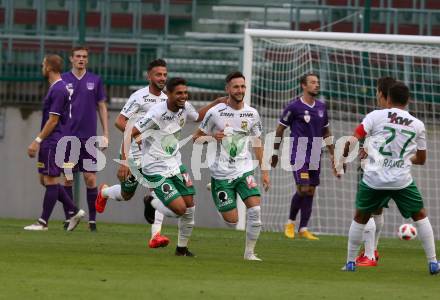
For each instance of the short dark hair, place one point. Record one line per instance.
(233, 75)
(156, 63)
(303, 79)
(173, 82)
(54, 62)
(399, 93)
(77, 48)
(384, 84)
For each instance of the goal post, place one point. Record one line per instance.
(349, 65)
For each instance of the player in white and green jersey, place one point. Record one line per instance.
(137, 106)
(232, 125)
(370, 255)
(395, 141)
(164, 174)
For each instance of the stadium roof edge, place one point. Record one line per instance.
(362, 37)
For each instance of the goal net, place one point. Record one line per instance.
(348, 65)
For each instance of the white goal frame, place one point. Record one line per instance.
(247, 59)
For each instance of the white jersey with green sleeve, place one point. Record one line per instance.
(160, 129)
(136, 107)
(393, 137)
(232, 158)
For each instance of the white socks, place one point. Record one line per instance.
(157, 225)
(378, 220)
(354, 240)
(253, 228)
(231, 225)
(113, 192)
(185, 225)
(426, 235)
(158, 205)
(369, 240)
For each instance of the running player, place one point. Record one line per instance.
(232, 124)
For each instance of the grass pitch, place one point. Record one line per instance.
(115, 263)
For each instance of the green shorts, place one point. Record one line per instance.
(173, 187)
(129, 186)
(408, 200)
(224, 191)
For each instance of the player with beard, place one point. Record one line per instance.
(159, 132)
(309, 126)
(232, 125)
(136, 107)
(56, 111)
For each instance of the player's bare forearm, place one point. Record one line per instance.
(419, 158)
(259, 153)
(103, 117)
(121, 122)
(135, 135)
(199, 136)
(279, 132)
(328, 139)
(349, 146)
(49, 126)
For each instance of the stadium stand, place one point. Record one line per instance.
(179, 30)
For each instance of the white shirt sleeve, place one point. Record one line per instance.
(131, 107)
(257, 128)
(421, 138)
(207, 125)
(146, 122)
(368, 122)
(192, 113)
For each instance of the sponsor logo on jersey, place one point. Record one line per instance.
(244, 125)
(227, 114)
(246, 115)
(165, 117)
(307, 116)
(181, 122)
(146, 99)
(396, 119)
(320, 113)
(90, 85)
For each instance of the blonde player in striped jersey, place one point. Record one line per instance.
(395, 141)
(232, 170)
